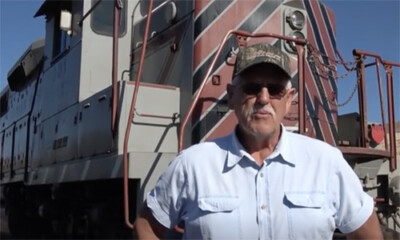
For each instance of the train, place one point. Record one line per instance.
(95, 111)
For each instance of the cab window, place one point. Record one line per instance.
(102, 18)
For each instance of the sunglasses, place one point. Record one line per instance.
(274, 90)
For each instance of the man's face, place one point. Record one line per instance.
(260, 100)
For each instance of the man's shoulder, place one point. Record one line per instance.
(208, 149)
(306, 142)
(309, 153)
(215, 144)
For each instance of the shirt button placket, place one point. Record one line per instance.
(263, 207)
(262, 193)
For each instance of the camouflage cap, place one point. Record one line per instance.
(261, 53)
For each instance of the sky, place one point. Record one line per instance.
(369, 25)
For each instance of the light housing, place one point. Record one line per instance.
(295, 35)
(296, 19)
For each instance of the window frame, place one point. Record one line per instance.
(123, 19)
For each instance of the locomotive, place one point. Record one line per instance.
(94, 112)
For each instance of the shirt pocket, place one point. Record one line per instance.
(220, 218)
(306, 216)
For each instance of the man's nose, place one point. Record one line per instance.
(263, 96)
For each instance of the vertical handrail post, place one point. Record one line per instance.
(392, 136)
(381, 101)
(131, 115)
(362, 99)
(302, 89)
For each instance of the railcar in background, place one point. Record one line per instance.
(95, 111)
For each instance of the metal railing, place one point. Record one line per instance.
(390, 150)
(300, 43)
(131, 114)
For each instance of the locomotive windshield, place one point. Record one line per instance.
(103, 18)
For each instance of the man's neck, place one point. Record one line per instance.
(259, 147)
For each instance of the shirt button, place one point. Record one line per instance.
(261, 175)
(263, 207)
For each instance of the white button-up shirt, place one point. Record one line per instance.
(304, 190)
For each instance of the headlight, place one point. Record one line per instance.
(295, 35)
(296, 20)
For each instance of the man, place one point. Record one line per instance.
(260, 182)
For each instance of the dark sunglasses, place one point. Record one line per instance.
(274, 90)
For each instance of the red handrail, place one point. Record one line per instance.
(342, 60)
(300, 53)
(131, 114)
(392, 136)
(381, 100)
(302, 89)
(389, 78)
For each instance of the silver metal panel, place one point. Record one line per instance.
(59, 85)
(150, 134)
(55, 139)
(95, 136)
(96, 61)
(40, 144)
(65, 142)
(93, 168)
(19, 104)
(7, 151)
(20, 144)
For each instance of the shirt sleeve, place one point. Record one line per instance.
(166, 198)
(353, 205)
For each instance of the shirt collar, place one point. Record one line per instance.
(237, 152)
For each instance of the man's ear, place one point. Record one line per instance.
(289, 99)
(230, 89)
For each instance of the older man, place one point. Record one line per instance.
(260, 182)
